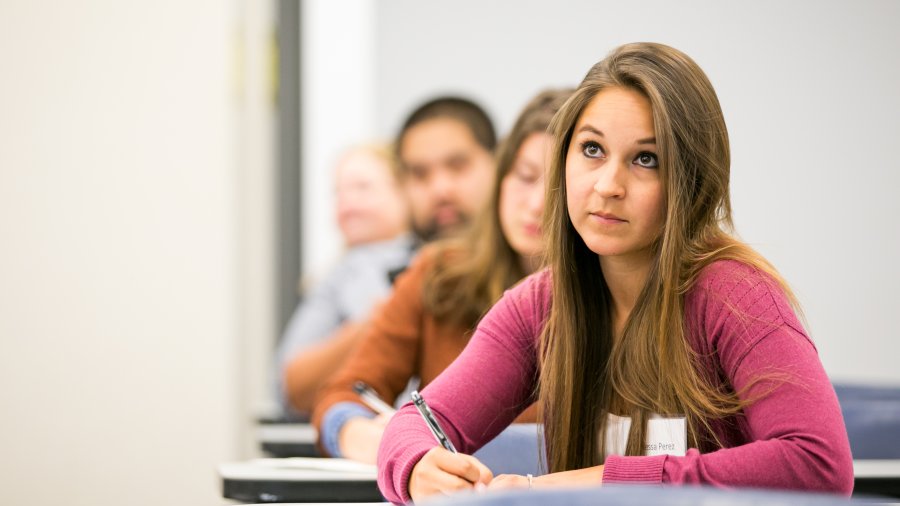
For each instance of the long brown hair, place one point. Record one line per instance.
(585, 372)
(471, 273)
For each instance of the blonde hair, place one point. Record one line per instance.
(383, 151)
(585, 373)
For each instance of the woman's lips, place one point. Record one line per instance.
(607, 218)
(532, 229)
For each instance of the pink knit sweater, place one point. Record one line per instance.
(740, 324)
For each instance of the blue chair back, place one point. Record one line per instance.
(516, 450)
(872, 416)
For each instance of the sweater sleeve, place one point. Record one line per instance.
(314, 319)
(794, 431)
(479, 395)
(347, 294)
(386, 355)
(333, 421)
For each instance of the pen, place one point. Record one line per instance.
(371, 399)
(432, 422)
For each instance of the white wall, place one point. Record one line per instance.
(257, 109)
(338, 96)
(809, 90)
(122, 276)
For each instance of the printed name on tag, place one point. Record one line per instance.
(666, 435)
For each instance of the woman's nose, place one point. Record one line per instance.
(611, 179)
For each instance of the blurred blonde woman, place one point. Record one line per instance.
(373, 216)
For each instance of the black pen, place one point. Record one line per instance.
(372, 400)
(432, 422)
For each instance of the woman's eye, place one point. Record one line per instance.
(526, 177)
(647, 160)
(591, 149)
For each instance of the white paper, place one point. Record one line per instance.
(316, 464)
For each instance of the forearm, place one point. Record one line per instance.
(576, 477)
(590, 476)
(792, 434)
(471, 406)
(771, 464)
(360, 437)
(335, 420)
(406, 439)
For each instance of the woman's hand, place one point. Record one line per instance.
(443, 472)
(360, 437)
(509, 481)
(587, 476)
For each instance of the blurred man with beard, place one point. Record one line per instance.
(445, 153)
(444, 157)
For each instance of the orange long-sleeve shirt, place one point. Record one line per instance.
(401, 341)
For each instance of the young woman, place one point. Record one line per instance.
(649, 309)
(429, 317)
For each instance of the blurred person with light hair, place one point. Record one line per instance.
(372, 213)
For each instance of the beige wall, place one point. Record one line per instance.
(131, 187)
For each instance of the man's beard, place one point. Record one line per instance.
(432, 231)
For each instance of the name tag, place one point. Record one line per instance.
(666, 435)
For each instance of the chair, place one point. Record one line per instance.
(516, 450)
(872, 416)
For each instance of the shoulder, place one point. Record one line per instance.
(434, 255)
(516, 321)
(737, 285)
(727, 271)
(535, 289)
(526, 304)
(731, 284)
(733, 304)
(446, 252)
(381, 254)
(426, 262)
(421, 264)
(440, 257)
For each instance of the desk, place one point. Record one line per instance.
(642, 495)
(876, 477)
(262, 480)
(288, 439)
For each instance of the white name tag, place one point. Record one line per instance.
(666, 435)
